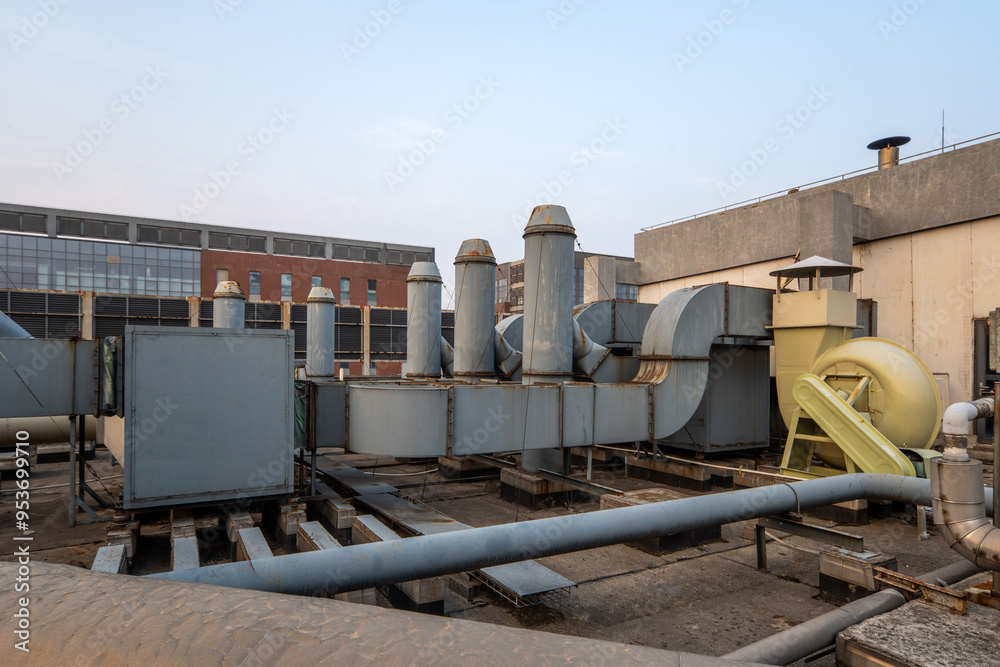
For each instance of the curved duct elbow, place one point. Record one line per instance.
(587, 355)
(959, 502)
(505, 357)
(955, 423)
(447, 358)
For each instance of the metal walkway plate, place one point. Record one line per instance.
(522, 583)
(358, 482)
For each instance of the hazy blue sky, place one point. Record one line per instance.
(449, 119)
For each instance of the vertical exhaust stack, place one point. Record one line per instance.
(229, 306)
(321, 325)
(888, 150)
(475, 295)
(548, 311)
(423, 321)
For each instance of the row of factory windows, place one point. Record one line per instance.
(32, 223)
(253, 284)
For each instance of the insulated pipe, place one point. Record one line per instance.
(955, 422)
(43, 430)
(370, 565)
(321, 316)
(423, 321)
(816, 634)
(475, 297)
(548, 296)
(957, 492)
(228, 306)
(116, 620)
(11, 329)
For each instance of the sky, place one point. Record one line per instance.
(426, 123)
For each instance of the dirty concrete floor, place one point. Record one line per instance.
(707, 599)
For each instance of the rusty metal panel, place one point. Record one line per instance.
(45, 377)
(621, 413)
(504, 418)
(209, 415)
(398, 419)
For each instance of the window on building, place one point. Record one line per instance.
(317, 281)
(501, 290)
(626, 292)
(371, 292)
(578, 285)
(345, 291)
(255, 283)
(286, 285)
(221, 275)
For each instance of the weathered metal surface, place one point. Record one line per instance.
(621, 413)
(321, 307)
(578, 410)
(43, 377)
(356, 482)
(580, 484)
(11, 329)
(228, 306)
(188, 434)
(476, 548)
(835, 537)
(475, 296)
(527, 578)
(938, 596)
(504, 418)
(415, 519)
(423, 321)
(399, 420)
(548, 295)
(139, 617)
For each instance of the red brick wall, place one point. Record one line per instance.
(391, 290)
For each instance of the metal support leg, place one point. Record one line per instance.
(590, 462)
(72, 471)
(312, 474)
(760, 533)
(922, 533)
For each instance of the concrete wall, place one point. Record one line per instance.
(927, 193)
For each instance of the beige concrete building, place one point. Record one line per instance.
(926, 232)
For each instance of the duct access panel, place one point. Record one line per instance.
(208, 415)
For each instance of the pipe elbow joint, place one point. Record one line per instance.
(959, 502)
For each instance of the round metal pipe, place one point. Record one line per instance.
(43, 430)
(816, 634)
(888, 157)
(321, 316)
(228, 306)
(548, 296)
(475, 297)
(369, 565)
(423, 321)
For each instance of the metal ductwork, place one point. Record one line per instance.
(423, 322)
(888, 150)
(506, 359)
(447, 358)
(228, 306)
(375, 564)
(11, 329)
(321, 325)
(475, 296)
(957, 492)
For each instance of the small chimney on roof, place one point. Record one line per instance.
(888, 150)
